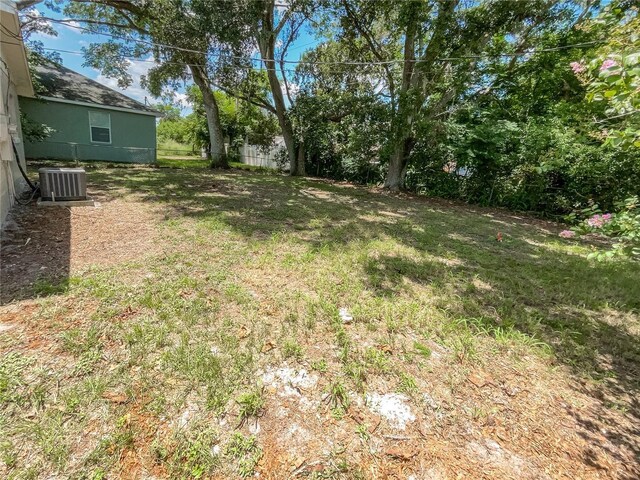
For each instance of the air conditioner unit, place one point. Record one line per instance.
(63, 184)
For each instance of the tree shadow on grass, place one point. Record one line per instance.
(577, 306)
(572, 322)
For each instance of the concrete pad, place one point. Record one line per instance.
(67, 203)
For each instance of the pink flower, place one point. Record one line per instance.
(577, 67)
(598, 221)
(567, 234)
(608, 63)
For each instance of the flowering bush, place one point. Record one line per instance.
(623, 227)
(613, 76)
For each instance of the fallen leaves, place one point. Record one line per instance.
(267, 347)
(115, 397)
(243, 332)
(480, 379)
(400, 453)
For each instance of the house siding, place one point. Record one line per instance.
(11, 181)
(133, 135)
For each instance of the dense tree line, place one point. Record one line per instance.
(530, 104)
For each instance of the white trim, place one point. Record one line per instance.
(96, 105)
(15, 56)
(91, 133)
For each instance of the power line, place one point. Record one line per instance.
(318, 63)
(239, 67)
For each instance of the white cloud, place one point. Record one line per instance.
(181, 100)
(137, 69)
(72, 25)
(294, 88)
(35, 16)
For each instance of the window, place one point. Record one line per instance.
(100, 124)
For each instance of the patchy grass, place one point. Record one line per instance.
(218, 348)
(170, 161)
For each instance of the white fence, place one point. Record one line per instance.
(254, 155)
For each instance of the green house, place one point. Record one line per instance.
(88, 120)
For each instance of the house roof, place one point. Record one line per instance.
(62, 84)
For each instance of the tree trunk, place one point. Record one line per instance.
(402, 140)
(266, 39)
(398, 161)
(300, 167)
(412, 91)
(289, 142)
(216, 137)
(281, 112)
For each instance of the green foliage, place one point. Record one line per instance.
(517, 133)
(613, 76)
(338, 396)
(292, 349)
(623, 227)
(251, 404)
(34, 131)
(239, 120)
(246, 451)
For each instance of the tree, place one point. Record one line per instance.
(429, 54)
(239, 120)
(613, 75)
(272, 27)
(178, 40)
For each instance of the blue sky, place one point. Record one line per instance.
(72, 39)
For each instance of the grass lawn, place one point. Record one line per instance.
(202, 324)
(197, 162)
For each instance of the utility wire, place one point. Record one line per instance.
(136, 59)
(307, 62)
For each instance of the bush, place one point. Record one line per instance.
(622, 226)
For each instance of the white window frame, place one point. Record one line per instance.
(90, 126)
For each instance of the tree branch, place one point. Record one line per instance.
(258, 102)
(373, 45)
(131, 26)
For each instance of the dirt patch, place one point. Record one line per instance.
(41, 248)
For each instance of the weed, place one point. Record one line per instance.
(8, 454)
(246, 452)
(356, 372)
(338, 396)
(44, 287)
(376, 360)
(251, 404)
(363, 432)
(463, 346)
(87, 362)
(49, 434)
(189, 454)
(12, 366)
(78, 341)
(292, 349)
(320, 365)
(422, 349)
(407, 384)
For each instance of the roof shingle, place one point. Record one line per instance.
(65, 84)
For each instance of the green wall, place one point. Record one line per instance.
(133, 135)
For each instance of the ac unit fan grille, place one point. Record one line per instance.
(63, 184)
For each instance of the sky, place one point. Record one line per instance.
(72, 39)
